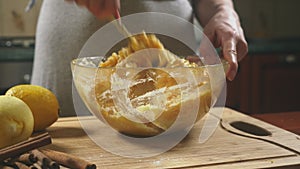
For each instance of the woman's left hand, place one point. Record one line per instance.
(224, 30)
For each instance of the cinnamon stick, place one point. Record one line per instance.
(46, 161)
(27, 159)
(25, 146)
(35, 166)
(21, 162)
(68, 160)
(21, 165)
(6, 167)
(10, 163)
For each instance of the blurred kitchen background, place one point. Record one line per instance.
(268, 79)
(17, 32)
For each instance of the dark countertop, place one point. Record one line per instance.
(16, 49)
(16, 54)
(271, 46)
(256, 47)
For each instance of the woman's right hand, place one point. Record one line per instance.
(102, 9)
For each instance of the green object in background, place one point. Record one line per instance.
(263, 46)
(9, 54)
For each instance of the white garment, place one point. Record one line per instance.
(62, 30)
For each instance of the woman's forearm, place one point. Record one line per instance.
(206, 9)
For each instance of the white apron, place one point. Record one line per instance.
(62, 30)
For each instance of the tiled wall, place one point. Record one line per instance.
(14, 21)
(270, 18)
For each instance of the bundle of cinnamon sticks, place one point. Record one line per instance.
(28, 155)
(45, 159)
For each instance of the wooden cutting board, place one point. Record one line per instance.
(222, 150)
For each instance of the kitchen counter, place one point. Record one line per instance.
(16, 54)
(287, 120)
(256, 46)
(223, 150)
(16, 57)
(17, 49)
(273, 46)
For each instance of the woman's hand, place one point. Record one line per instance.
(102, 9)
(224, 30)
(222, 27)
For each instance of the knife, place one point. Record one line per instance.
(29, 5)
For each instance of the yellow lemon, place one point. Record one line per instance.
(42, 102)
(16, 121)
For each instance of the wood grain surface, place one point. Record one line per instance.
(222, 150)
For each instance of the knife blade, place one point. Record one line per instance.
(29, 5)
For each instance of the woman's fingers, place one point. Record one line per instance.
(102, 9)
(234, 49)
(96, 7)
(224, 31)
(230, 54)
(81, 2)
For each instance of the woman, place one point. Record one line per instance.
(63, 28)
